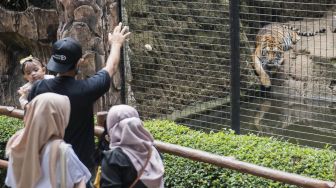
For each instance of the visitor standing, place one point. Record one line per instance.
(38, 156)
(131, 160)
(66, 54)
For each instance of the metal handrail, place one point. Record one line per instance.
(202, 156)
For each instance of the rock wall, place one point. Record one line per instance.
(34, 30)
(181, 54)
(22, 34)
(257, 13)
(89, 22)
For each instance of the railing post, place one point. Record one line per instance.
(235, 65)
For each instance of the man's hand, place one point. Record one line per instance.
(119, 35)
(116, 40)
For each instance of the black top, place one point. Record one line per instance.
(82, 95)
(118, 170)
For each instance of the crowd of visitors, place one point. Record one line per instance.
(56, 147)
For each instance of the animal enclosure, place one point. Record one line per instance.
(184, 66)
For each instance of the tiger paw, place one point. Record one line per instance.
(265, 81)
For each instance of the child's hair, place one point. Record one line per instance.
(30, 58)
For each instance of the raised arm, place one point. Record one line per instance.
(116, 40)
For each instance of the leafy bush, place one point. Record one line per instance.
(181, 172)
(8, 126)
(268, 152)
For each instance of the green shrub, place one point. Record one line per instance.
(8, 126)
(181, 172)
(268, 152)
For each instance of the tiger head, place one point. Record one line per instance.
(271, 57)
(271, 54)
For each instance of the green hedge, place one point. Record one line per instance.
(8, 126)
(181, 172)
(267, 152)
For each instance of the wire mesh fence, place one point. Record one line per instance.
(299, 105)
(180, 56)
(180, 59)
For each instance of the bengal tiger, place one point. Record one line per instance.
(271, 42)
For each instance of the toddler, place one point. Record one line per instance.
(32, 70)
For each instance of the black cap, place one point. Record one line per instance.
(65, 55)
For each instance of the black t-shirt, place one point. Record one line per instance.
(118, 170)
(82, 95)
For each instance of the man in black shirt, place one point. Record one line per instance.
(66, 54)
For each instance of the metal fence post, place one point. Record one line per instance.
(235, 65)
(122, 62)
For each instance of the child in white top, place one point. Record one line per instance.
(32, 69)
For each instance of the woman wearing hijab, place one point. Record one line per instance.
(38, 156)
(132, 160)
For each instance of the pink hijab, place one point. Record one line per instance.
(45, 120)
(127, 132)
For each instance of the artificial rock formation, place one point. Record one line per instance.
(34, 30)
(89, 22)
(22, 34)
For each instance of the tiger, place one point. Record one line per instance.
(272, 41)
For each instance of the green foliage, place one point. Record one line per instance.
(268, 152)
(8, 127)
(181, 172)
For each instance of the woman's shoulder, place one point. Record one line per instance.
(116, 156)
